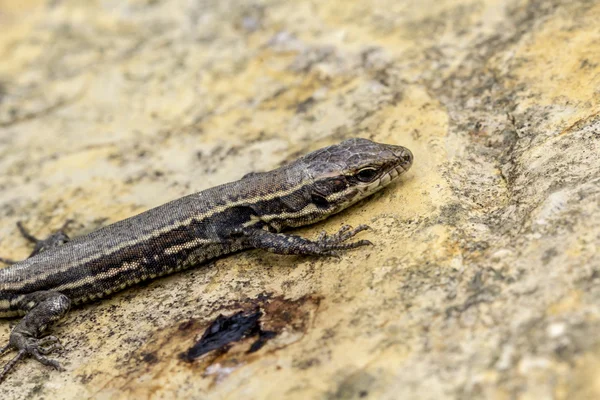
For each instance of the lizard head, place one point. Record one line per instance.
(347, 172)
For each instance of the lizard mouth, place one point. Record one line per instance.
(384, 180)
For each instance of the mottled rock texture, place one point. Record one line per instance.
(485, 278)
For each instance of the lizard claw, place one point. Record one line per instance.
(49, 344)
(39, 354)
(331, 244)
(11, 363)
(344, 233)
(37, 348)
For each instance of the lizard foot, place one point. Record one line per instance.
(26, 337)
(37, 348)
(324, 245)
(344, 233)
(56, 239)
(330, 244)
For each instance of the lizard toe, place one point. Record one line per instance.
(39, 355)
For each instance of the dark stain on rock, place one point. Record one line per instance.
(150, 358)
(243, 331)
(263, 336)
(549, 255)
(260, 319)
(305, 105)
(355, 386)
(225, 330)
(451, 213)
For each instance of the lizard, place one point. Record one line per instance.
(251, 213)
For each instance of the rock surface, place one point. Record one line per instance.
(485, 278)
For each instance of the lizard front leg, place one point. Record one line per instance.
(56, 239)
(325, 245)
(43, 309)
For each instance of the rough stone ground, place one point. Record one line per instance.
(485, 278)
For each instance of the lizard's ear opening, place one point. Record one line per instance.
(319, 200)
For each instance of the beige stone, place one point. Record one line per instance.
(484, 281)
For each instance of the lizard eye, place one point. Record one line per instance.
(367, 174)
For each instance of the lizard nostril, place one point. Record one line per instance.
(405, 155)
(408, 157)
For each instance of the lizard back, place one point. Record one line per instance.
(187, 231)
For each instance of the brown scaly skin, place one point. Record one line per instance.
(249, 213)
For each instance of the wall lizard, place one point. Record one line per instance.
(247, 214)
